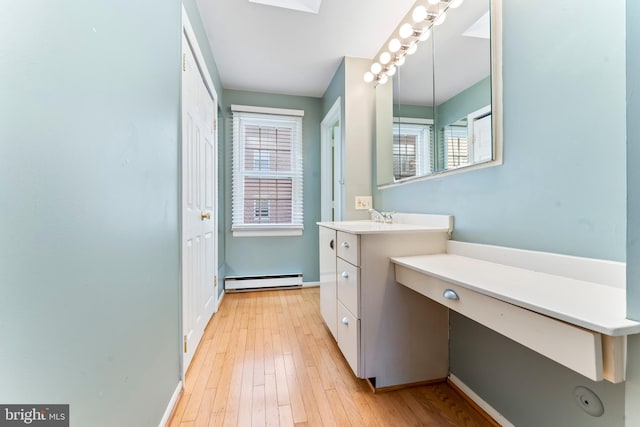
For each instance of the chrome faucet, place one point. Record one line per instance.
(386, 217)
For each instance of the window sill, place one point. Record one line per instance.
(271, 232)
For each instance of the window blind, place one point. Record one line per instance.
(411, 150)
(267, 171)
(456, 140)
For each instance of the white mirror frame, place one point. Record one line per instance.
(496, 106)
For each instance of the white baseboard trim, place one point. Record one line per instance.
(310, 284)
(171, 406)
(220, 298)
(480, 402)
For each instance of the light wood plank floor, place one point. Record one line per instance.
(267, 359)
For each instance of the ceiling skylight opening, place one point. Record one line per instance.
(310, 6)
(480, 29)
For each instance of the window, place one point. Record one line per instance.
(267, 171)
(411, 148)
(456, 142)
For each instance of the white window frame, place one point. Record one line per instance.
(243, 115)
(423, 130)
(480, 142)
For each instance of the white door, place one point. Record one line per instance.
(199, 222)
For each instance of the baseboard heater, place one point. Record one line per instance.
(254, 283)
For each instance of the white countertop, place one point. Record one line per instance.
(372, 227)
(593, 306)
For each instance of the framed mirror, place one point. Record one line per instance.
(442, 112)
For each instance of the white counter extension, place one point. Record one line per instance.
(543, 301)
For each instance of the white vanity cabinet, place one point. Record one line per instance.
(328, 301)
(385, 333)
(348, 296)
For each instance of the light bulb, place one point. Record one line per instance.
(425, 35)
(376, 68)
(385, 57)
(383, 79)
(419, 14)
(412, 49)
(391, 70)
(433, 1)
(400, 60)
(406, 31)
(394, 45)
(455, 3)
(368, 77)
(440, 19)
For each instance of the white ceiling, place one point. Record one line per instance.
(269, 49)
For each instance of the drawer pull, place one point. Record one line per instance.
(345, 274)
(345, 321)
(450, 294)
(345, 245)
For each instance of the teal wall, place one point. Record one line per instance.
(275, 255)
(471, 99)
(413, 111)
(632, 388)
(633, 159)
(564, 112)
(525, 387)
(335, 89)
(89, 253)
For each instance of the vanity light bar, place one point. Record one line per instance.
(425, 15)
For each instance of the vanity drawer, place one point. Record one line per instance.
(349, 337)
(348, 247)
(576, 348)
(348, 286)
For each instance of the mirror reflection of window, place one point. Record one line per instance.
(456, 144)
(412, 148)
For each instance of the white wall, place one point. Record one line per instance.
(359, 127)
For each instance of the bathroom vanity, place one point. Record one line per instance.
(386, 333)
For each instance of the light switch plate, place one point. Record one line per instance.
(364, 202)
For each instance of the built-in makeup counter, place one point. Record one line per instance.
(569, 309)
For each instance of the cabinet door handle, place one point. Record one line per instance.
(345, 321)
(345, 274)
(450, 294)
(331, 244)
(345, 245)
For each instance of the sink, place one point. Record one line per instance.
(402, 222)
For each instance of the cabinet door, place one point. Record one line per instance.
(349, 286)
(328, 293)
(349, 337)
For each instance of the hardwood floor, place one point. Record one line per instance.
(267, 359)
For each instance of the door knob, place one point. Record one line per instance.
(345, 274)
(345, 321)
(205, 215)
